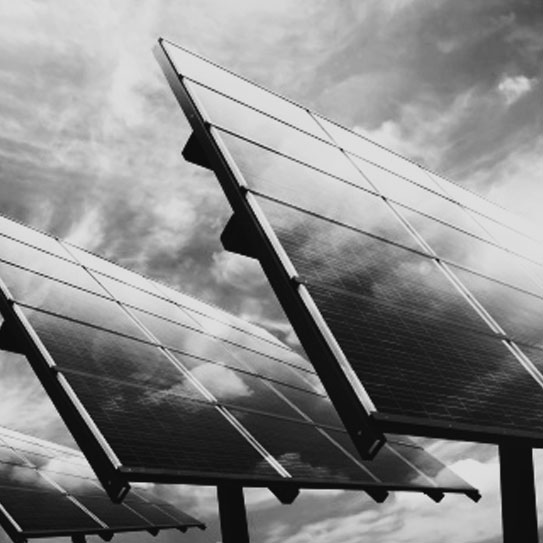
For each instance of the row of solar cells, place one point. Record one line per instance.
(419, 280)
(147, 361)
(47, 489)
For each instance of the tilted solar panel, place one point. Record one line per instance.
(157, 386)
(419, 303)
(47, 490)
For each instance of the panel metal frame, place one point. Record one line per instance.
(77, 419)
(20, 536)
(354, 407)
(101, 528)
(351, 406)
(114, 476)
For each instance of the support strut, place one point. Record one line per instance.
(232, 513)
(519, 509)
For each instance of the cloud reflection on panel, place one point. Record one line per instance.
(396, 310)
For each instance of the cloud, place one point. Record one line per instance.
(513, 88)
(24, 405)
(92, 140)
(239, 272)
(226, 384)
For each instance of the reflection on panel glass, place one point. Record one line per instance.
(476, 254)
(519, 313)
(35, 291)
(386, 274)
(513, 240)
(420, 198)
(248, 123)
(179, 388)
(476, 203)
(363, 148)
(457, 375)
(50, 489)
(414, 276)
(24, 257)
(19, 232)
(289, 181)
(212, 76)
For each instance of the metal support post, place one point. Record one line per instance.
(232, 513)
(519, 508)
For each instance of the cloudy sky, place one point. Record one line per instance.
(90, 151)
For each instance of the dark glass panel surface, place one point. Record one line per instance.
(23, 256)
(234, 117)
(534, 354)
(82, 348)
(270, 367)
(135, 422)
(235, 388)
(387, 467)
(268, 170)
(233, 330)
(14, 471)
(430, 369)
(422, 199)
(385, 276)
(372, 152)
(216, 321)
(40, 511)
(70, 481)
(49, 295)
(193, 67)
(184, 339)
(32, 237)
(68, 469)
(520, 314)
(211, 358)
(177, 514)
(487, 208)
(473, 253)
(302, 449)
(116, 516)
(301, 186)
(48, 459)
(234, 335)
(517, 242)
(318, 408)
(425, 463)
(9, 458)
(153, 514)
(157, 304)
(113, 270)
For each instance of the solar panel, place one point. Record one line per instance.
(47, 490)
(419, 303)
(158, 386)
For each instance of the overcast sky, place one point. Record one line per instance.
(90, 145)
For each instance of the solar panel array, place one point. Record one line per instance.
(49, 490)
(156, 385)
(431, 295)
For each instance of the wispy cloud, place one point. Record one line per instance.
(512, 88)
(91, 150)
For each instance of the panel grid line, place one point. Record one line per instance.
(376, 191)
(214, 113)
(58, 487)
(467, 294)
(196, 382)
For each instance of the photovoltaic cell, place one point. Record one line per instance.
(169, 389)
(47, 490)
(406, 281)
